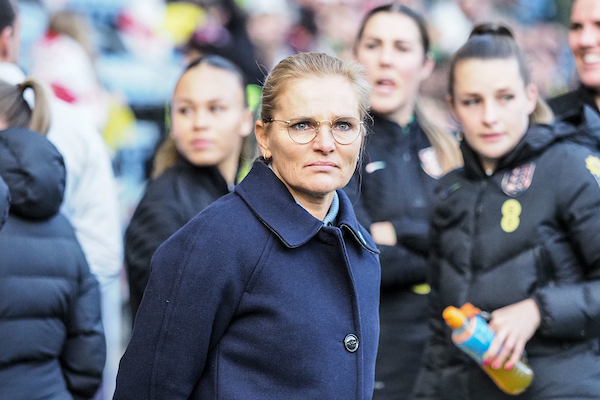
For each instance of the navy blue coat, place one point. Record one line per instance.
(253, 299)
(51, 338)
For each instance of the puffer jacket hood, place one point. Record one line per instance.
(34, 172)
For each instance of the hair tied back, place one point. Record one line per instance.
(493, 29)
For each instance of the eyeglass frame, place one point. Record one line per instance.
(361, 125)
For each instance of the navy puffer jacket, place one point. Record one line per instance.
(52, 343)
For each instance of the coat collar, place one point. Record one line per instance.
(270, 200)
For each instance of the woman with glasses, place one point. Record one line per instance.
(393, 186)
(272, 292)
(196, 164)
(516, 233)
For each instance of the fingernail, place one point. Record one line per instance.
(508, 366)
(486, 362)
(496, 365)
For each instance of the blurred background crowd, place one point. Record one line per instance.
(118, 61)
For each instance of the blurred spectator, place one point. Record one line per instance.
(269, 26)
(69, 38)
(224, 32)
(52, 340)
(584, 41)
(199, 161)
(338, 22)
(90, 200)
(394, 184)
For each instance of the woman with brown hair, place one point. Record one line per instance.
(515, 233)
(392, 188)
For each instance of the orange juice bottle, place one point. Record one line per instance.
(473, 335)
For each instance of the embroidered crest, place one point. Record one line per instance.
(374, 166)
(429, 163)
(518, 180)
(593, 164)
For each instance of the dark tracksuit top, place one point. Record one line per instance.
(395, 183)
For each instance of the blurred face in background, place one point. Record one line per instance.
(584, 40)
(493, 104)
(391, 49)
(209, 119)
(314, 170)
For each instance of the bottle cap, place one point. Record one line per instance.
(454, 317)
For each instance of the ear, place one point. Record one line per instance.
(531, 92)
(451, 108)
(246, 127)
(428, 66)
(260, 131)
(5, 43)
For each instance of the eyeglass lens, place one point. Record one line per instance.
(345, 130)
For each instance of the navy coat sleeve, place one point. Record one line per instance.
(572, 311)
(181, 317)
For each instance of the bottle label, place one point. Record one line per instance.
(475, 339)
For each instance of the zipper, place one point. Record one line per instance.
(474, 233)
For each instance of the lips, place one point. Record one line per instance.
(201, 144)
(492, 137)
(323, 165)
(385, 86)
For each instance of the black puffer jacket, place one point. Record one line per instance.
(530, 230)
(170, 201)
(52, 342)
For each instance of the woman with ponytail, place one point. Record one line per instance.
(15, 111)
(391, 189)
(53, 344)
(515, 233)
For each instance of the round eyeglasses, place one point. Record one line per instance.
(303, 130)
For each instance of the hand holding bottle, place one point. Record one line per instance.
(472, 334)
(513, 325)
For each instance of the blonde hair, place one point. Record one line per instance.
(17, 112)
(446, 146)
(304, 65)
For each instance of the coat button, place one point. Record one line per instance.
(351, 343)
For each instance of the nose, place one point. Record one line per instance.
(490, 113)
(201, 118)
(324, 140)
(386, 55)
(588, 36)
